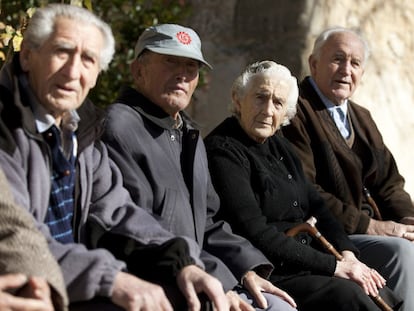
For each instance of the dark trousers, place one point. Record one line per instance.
(101, 304)
(316, 292)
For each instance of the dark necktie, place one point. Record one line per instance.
(60, 211)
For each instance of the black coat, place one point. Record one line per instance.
(264, 192)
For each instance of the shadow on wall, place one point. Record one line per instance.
(268, 31)
(235, 33)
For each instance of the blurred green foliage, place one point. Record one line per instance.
(127, 19)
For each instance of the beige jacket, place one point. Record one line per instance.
(23, 249)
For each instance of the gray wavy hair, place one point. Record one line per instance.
(266, 67)
(327, 33)
(42, 23)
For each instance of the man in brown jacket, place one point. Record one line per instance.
(25, 262)
(344, 155)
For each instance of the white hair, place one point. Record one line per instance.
(42, 23)
(327, 33)
(268, 67)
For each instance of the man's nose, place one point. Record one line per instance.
(72, 67)
(346, 67)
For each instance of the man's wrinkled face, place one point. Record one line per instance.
(168, 81)
(338, 69)
(63, 70)
(263, 107)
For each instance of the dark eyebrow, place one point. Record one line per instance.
(339, 53)
(262, 92)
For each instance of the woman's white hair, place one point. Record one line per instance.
(267, 67)
(42, 23)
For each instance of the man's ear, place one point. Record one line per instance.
(24, 56)
(312, 63)
(135, 69)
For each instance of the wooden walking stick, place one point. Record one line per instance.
(371, 202)
(309, 227)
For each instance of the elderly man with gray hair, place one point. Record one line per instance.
(60, 172)
(164, 163)
(344, 155)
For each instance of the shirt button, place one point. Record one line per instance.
(303, 241)
(295, 203)
(289, 176)
(172, 138)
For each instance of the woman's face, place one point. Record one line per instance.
(263, 107)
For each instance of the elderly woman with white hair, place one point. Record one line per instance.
(264, 193)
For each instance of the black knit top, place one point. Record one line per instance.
(264, 192)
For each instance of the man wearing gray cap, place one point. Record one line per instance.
(163, 160)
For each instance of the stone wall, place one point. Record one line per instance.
(237, 32)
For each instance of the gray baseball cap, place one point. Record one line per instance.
(171, 39)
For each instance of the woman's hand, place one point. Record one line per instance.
(352, 269)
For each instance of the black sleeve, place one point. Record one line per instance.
(150, 262)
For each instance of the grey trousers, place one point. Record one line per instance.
(393, 258)
(274, 303)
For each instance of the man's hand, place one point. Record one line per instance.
(256, 285)
(392, 228)
(33, 296)
(192, 281)
(352, 269)
(134, 294)
(236, 303)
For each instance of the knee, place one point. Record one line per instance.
(347, 291)
(346, 295)
(389, 252)
(275, 303)
(403, 251)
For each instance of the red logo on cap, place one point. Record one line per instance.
(183, 37)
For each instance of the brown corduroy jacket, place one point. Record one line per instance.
(338, 171)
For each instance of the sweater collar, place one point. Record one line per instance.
(231, 127)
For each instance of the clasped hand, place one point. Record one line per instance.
(34, 293)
